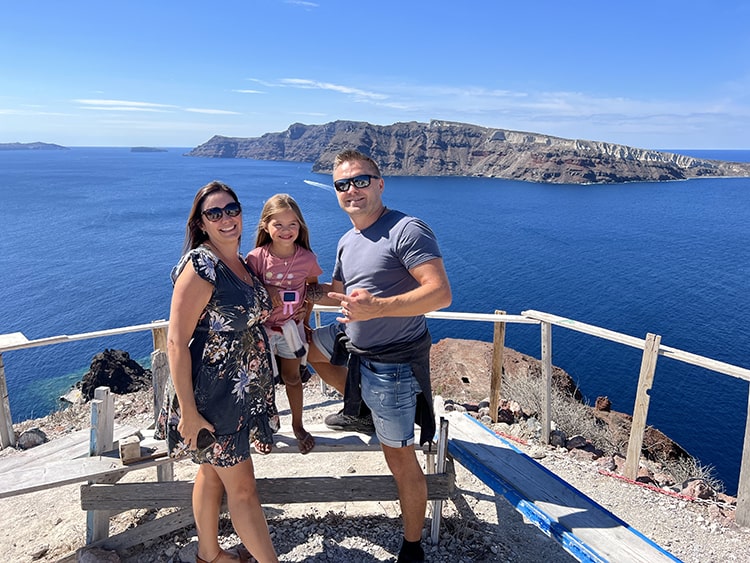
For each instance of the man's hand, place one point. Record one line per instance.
(359, 305)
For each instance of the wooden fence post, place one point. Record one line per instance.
(642, 399)
(546, 381)
(102, 440)
(159, 336)
(496, 381)
(102, 421)
(7, 434)
(159, 376)
(742, 515)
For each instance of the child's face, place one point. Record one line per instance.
(283, 227)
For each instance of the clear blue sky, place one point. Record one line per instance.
(654, 74)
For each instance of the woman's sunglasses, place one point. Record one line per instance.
(232, 209)
(359, 182)
(204, 444)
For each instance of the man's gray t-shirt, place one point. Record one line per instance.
(378, 259)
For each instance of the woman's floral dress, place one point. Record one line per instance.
(232, 374)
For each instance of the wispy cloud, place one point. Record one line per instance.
(302, 3)
(212, 111)
(248, 91)
(123, 105)
(316, 85)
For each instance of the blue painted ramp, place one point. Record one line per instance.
(584, 528)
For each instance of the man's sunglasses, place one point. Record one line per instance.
(359, 182)
(232, 209)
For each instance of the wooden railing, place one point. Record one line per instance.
(651, 346)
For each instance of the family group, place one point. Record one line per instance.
(240, 323)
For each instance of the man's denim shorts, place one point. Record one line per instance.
(390, 390)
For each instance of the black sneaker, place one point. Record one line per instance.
(348, 423)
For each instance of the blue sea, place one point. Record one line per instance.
(89, 236)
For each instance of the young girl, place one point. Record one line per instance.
(283, 260)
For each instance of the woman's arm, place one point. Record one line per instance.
(190, 296)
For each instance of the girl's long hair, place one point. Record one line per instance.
(277, 204)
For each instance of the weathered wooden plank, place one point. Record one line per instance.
(742, 514)
(272, 490)
(496, 377)
(148, 531)
(12, 338)
(64, 460)
(54, 474)
(67, 447)
(546, 338)
(102, 421)
(7, 435)
(583, 527)
(642, 400)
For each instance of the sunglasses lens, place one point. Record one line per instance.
(213, 214)
(232, 209)
(341, 185)
(361, 181)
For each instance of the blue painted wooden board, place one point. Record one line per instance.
(584, 528)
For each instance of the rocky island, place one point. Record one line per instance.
(31, 147)
(147, 149)
(446, 148)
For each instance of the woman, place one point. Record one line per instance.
(220, 368)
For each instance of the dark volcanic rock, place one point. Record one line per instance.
(116, 370)
(444, 148)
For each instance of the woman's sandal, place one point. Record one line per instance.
(305, 442)
(226, 557)
(261, 448)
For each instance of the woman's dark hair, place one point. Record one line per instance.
(194, 233)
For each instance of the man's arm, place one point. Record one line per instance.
(433, 293)
(318, 292)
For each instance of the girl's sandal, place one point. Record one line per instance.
(305, 442)
(261, 448)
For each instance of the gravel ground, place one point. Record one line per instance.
(478, 525)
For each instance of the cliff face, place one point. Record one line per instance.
(442, 148)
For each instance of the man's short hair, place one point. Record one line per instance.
(351, 155)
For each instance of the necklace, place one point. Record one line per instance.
(284, 258)
(285, 277)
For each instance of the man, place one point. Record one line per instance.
(388, 273)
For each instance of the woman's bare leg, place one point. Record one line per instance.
(208, 493)
(247, 515)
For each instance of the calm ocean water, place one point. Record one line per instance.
(89, 236)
